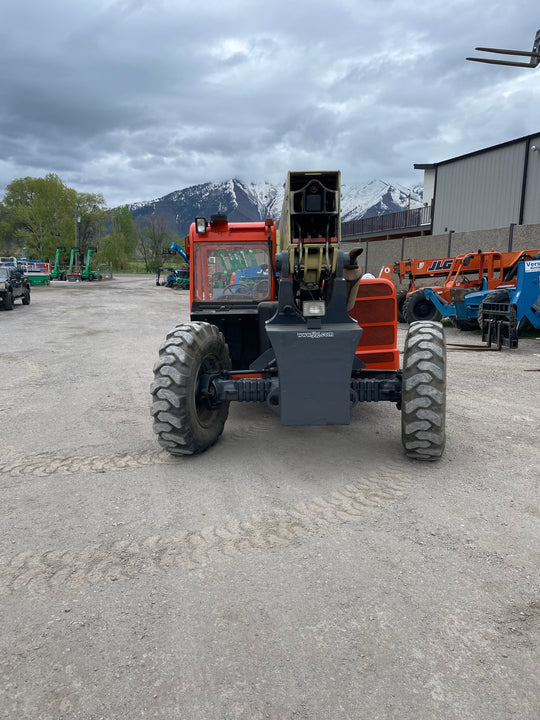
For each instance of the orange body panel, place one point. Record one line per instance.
(375, 311)
(415, 268)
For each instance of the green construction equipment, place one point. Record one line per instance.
(58, 273)
(74, 272)
(88, 274)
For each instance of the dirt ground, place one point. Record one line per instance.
(287, 573)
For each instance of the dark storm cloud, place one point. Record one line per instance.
(135, 99)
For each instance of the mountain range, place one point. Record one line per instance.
(249, 202)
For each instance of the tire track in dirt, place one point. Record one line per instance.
(45, 464)
(194, 549)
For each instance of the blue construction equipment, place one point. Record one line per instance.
(178, 277)
(507, 312)
(462, 308)
(502, 313)
(180, 250)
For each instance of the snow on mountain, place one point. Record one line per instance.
(248, 202)
(376, 198)
(267, 198)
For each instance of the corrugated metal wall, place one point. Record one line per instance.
(481, 191)
(429, 186)
(531, 210)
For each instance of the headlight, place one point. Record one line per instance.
(201, 225)
(313, 308)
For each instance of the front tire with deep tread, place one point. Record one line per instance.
(185, 422)
(423, 399)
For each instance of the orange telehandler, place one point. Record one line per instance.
(467, 272)
(286, 318)
(412, 270)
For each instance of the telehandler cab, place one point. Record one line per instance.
(285, 318)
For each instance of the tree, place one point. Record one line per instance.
(40, 214)
(153, 237)
(119, 245)
(8, 242)
(91, 219)
(37, 215)
(38, 210)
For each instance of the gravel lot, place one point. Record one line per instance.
(287, 573)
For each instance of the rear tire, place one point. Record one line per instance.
(497, 296)
(26, 297)
(503, 296)
(423, 398)
(185, 422)
(417, 307)
(524, 325)
(401, 296)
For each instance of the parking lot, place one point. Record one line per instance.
(303, 573)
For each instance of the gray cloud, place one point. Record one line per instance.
(137, 98)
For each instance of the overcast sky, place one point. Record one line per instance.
(137, 98)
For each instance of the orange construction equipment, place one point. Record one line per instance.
(415, 268)
(470, 271)
(286, 318)
(412, 270)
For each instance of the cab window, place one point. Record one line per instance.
(231, 273)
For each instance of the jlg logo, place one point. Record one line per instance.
(440, 265)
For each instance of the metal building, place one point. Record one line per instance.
(486, 189)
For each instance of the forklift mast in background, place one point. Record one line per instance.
(534, 55)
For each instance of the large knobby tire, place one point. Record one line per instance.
(185, 422)
(401, 296)
(26, 297)
(502, 296)
(497, 296)
(417, 307)
(423, 398)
